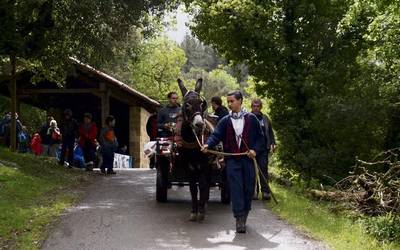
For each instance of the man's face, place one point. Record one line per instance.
(234, 104)
(173, 100)
(256, 108)
(112, 123)
(214, 106)
(87, 120)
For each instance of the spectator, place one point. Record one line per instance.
(7, 128)
(45, 138)
(36, 144)
(108, 145)
(69, 130)
(3, 122)
(23, 140)
(87, 140)
(55, 138)
(219, 109)
(269, 145)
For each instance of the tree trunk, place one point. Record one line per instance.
(13, 95)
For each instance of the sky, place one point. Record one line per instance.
(178, 32)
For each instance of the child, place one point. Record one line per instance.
(36, 144)
(108, 145)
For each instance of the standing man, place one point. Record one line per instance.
(168, 115)
(269, 139)
(69, 130)
(219, 109)
(108, 145)
(240, 132)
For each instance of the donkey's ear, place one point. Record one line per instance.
(182, 87)
(199, 84)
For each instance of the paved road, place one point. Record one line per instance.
(120, 212)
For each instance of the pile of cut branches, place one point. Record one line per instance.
(373, 188)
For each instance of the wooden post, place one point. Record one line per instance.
(13, 95)
(18, 105)
(137, 135)
(105, 102)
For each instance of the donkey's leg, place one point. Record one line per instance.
(204, 186)
(193, 194)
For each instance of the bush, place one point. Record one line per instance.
(385, 228)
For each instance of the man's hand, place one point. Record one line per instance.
(204, 148)
(273, 147)
(252, 154)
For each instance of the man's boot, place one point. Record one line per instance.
(110, 171)
(245, 217)
(240, 225)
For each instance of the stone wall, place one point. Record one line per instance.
(138, 135)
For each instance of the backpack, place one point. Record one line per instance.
(22, 137)
(55, 135)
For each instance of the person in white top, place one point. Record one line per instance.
(240, 132)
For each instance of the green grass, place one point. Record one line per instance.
(33, 192)
(317, 220)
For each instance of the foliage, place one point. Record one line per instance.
(215, 83)
(385, 228)
(199, 56)
(157, 67)
(324, 66)
(320, 221)
(43, 34)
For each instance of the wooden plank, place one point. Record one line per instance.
(59, 91)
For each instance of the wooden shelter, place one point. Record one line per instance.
(90, 90)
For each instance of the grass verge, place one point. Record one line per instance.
(33, 192)
(317, 219)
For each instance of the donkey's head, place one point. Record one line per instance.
(194, 104)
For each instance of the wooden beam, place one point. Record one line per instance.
(58, 91)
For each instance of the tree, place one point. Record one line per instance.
(157, 68)
(41, 35)
(215, 83)
(312, 58)
(199, 55)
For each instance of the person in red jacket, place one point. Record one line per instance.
(36, 144)
(87, 140)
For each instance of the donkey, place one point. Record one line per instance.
(199, 169)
